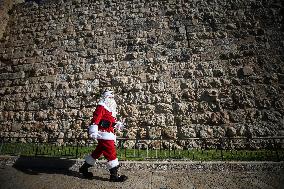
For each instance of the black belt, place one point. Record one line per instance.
(105, 123)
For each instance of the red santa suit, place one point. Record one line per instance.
(102, 129)
(103, 123)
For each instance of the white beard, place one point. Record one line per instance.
(110, 102)
(110, 105)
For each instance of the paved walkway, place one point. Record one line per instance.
(24, 175)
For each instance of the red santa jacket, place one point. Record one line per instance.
(104, 119)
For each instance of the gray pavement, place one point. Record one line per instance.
(63, 174)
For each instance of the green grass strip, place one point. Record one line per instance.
(51, 150)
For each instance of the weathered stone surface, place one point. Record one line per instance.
(179, 69)
(187, 132)
(246, 71)
(231, 131)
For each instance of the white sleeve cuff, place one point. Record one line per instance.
(93, 129)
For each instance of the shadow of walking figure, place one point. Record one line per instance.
(49, 165)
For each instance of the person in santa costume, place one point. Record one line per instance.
(102, 128)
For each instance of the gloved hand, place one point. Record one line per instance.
(93, 131)
(119, 125)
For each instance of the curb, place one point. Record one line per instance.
(74, 164)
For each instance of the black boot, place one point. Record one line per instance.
(84, 170)
(114, 177)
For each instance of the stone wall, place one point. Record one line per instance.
(179, 68)
(5, 6)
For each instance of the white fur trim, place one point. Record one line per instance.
(93, 129)
(112, 163)
(90, 160)
(106, 136)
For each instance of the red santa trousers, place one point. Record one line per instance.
(107, 148)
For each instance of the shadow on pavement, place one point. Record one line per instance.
(37, 165)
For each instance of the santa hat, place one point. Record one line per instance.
(108, 94)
